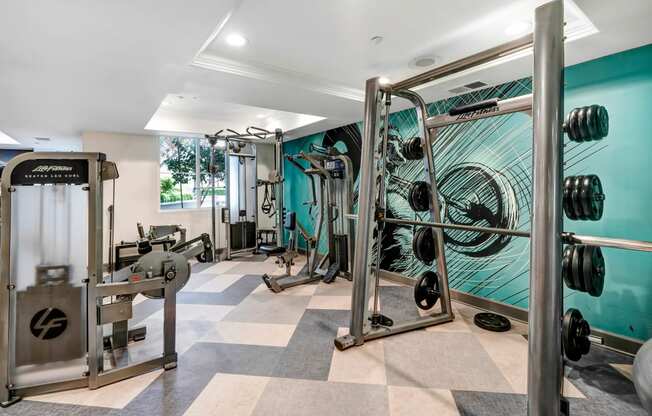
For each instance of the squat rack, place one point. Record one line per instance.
(545, 363)
(251, 136)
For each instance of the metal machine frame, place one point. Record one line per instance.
(252, 136)
(97, 289)
(334, 205)
(545, 363)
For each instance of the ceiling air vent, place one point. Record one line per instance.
(42, 139)
(468, 87)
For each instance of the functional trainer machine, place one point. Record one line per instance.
(551, 336)
(240, 213)
(63, 322)
(329, 175)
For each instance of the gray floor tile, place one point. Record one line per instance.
(200, 267)
(174, 391)
(310, 398)
(29, 408)
(145, 309)
(473, 403)
(397, 302)
(232, 295)
(310, 350)
(446, 360)
(268, 307)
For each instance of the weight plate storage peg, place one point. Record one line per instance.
(419, 196)
(424, 245)
(411, 149)
(575, 335)
(584, 124)
(426, 290)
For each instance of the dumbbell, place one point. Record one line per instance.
(588, 123)
(583, 197)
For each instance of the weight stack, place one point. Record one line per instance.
(342, 251)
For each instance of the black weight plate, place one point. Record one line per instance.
(573, 126)
(582, 121)
(585, 195)
(566, 198)
(594, 270)
(418, 196)
(566, 270)
(597, 199)
(426, 290)
(591, 124)
(415, 241)
(427, 247)
(602, 122)
(492, 322)
(575, 198)
(576, 267)
(570, 342)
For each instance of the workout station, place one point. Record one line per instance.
(446, 216)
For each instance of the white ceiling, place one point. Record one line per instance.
(67, 67)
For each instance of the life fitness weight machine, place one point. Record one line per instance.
(56, 301)
(331, 184)
(240, 213)
(551, 336)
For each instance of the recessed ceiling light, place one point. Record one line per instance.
(261, 116)
(376, 40)
(236, 40)
(424, 61)
(518, 28)
(383, 80)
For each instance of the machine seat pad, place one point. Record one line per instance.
(271, 250)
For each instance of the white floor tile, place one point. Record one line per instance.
(364, 364)
(273, 335)
(228, 394)
(409, 401)
(116, 395)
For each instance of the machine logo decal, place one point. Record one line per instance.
(52, 168)
(48, 323)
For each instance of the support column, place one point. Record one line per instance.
(366, 207)
(545, 364)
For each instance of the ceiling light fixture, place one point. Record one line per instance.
(236, 40)
(383, 80)
(518, 28)
(261, 116)
(376, 40)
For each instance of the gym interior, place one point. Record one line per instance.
(292, 207)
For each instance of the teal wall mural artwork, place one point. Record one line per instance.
(484, 177)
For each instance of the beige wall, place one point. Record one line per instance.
(137, 188)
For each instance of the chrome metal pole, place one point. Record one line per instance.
(489, 230)
(544, 347)
(465, 63)
(278, 153)
(621, 243)
(366, 202)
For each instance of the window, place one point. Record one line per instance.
(184, 174)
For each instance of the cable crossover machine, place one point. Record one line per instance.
(240, 213)
(580, 264)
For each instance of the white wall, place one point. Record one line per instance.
(137, 188)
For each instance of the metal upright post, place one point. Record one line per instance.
(544, 346)
(278, 154)
(211, 167)
(227, 182)
(366, 201)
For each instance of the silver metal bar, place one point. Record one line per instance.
(431, 178)
(465, 63)
(490, 230)
(545, 366)
(114, 375)
(227, 221)
(170, 324)
(278, 160)
(507, 106)
(127, 288)
(621, 243)
(366, 201)
(95, 259)
(380, 332)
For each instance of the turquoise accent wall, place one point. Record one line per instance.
(484, 174)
